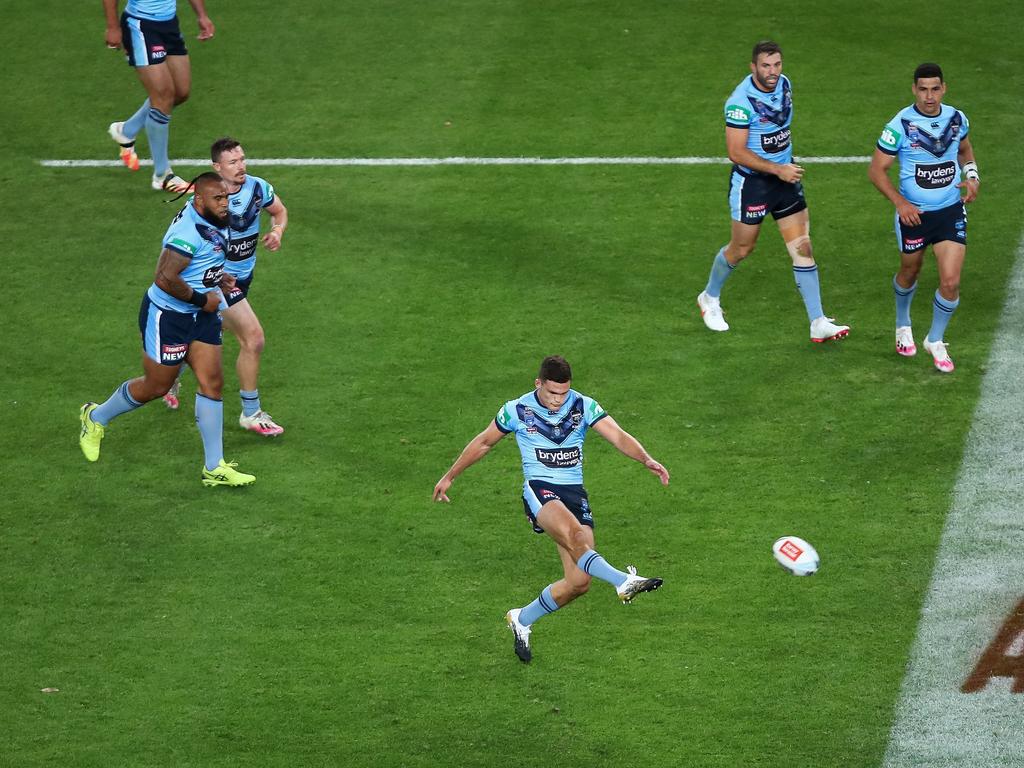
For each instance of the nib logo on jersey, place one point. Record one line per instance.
(935, 175)
(559, 458)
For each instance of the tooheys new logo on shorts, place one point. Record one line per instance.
(935, 175)
(775, 142)
(558, 458)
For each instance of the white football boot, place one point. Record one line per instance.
(937, 349)
(905, 341)
(825, 329)
(711, 311)
(521, 633)
(634, 585)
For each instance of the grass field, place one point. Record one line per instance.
(331, 614)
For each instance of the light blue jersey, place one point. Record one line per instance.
(551, 443)
(766, 115)
(927, 149)
(204, 245)
(153, 10)
(254, 195)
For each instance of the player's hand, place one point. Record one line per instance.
(657, 469)
(212, 301)
(790, 173)
(441, 489)
(272, 240)
(206, 29)
(910, 214)
(971, 186)
(228, 282)
(113, 38)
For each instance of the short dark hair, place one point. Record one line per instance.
(555, 368)
(765, 46)
(222, 145)
(928, 69)
(203, 180)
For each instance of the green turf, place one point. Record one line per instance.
(331, 615)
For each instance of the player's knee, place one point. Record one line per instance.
(578, 541)
(737, 252)
(580, 586)
(254, 341)
(800, 251)
(949, 287)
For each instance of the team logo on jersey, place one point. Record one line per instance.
(921, 138)
(213, 236)
(559, 458)
(935, 175)
(242, 221)
(768, 114)
(775, 142)
(576, 419)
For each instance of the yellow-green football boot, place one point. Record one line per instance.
(226, 474)
(92, 433)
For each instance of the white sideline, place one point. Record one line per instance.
(429, 161)
(977, 581)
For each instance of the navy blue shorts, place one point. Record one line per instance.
(150, 42)
(537, 493)
(240, 291)
(166, 334)
(944, 224)
(752, 196)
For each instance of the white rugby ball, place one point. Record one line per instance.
(796, 555)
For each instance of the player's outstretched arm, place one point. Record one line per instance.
(630, 446)
(206, 29)
(475, 450)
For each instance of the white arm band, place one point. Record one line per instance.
(971, 171)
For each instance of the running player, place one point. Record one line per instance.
(550, 423)
(765, 180)
(930, 140)
(179, 323)
(149, 32)
(249, 196)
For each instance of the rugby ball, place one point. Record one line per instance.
(796, 555)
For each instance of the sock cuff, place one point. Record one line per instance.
(547, 600)
(205, 397)
(128, 396)
(945, 304)
(720, 256)
(900, 290)
(805, 270)
(158, 116)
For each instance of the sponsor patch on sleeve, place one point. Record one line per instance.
(182, 245)
(889, 139)
(734, 113)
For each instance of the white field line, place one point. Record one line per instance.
(977, 581)
(430, 161)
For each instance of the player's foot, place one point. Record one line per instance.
(711, 311)
(260, 423)
(92, 433)
(937, 349)
(171, 398)
(521, 633)
(128, 156)
(170, 182)
(226, 474)
(634, 585)
(825, 329)
(905, 341)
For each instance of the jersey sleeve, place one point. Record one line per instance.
(592, 411)
(268, 193)
(178, 241)
(892, 137)
(966, 126)
(736, 114)
(507, 419)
